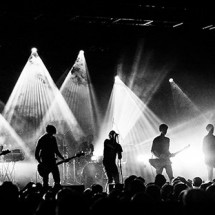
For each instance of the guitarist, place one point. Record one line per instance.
(160, 149)
(46, 153)
(209, 150)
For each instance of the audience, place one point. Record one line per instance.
(135, 195)
(197, 182)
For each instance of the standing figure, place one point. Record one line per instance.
(112, 149)
(209, 150)
(46, 154)
(160, 149)
(90, 139)
(87, 147)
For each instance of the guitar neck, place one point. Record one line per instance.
(181, 150)
(70, 158)
(65, 161)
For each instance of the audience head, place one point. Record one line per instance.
(196, 201)
(166, 191)
(160, 180)
(96, 188)
(197, 181)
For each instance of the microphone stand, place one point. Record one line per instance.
(120, 166)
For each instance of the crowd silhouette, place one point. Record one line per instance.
(181, 196)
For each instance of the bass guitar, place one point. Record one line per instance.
(43, 169)
(163, 159)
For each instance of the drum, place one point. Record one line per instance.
(93, 173)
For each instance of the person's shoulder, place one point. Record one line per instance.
(205, 137)
(118, 145)
(156, 138)
(106, 141)
(42, 137)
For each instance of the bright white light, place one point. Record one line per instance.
(37, 101)
(181, 23)
(141, 159)
(190, 163)
(208, 26)
(80, 95)
(94, 158)
(148, 22)
(171, 80)
(117, 78)
(34, 50)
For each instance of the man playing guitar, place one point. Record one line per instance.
(160, 148)
(46, 153)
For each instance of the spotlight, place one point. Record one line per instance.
(81, 52)
(171, 80)
(117, 78)
(34, 50)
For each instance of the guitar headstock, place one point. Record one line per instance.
(4, 152)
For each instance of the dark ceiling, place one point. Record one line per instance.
(181, 33)
(137, 13)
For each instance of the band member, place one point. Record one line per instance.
(87, 146)
(112, 150)
(209, 150)
(46, 154)
(160, 149)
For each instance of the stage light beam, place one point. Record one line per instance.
(79, 94)
(33, 50)
(171, 80)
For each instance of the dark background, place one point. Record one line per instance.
(60, 29)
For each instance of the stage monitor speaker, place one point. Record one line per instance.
(79, 188)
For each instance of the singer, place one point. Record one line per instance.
(112, 150)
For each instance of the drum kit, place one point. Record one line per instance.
(89, 171)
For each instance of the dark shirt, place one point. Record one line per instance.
(47, 149)
(160, 146)
(111, 149)
(209, 149)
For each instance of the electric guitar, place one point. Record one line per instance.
(164, 159)
(43, 169)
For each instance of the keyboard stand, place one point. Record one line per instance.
(8, 171)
